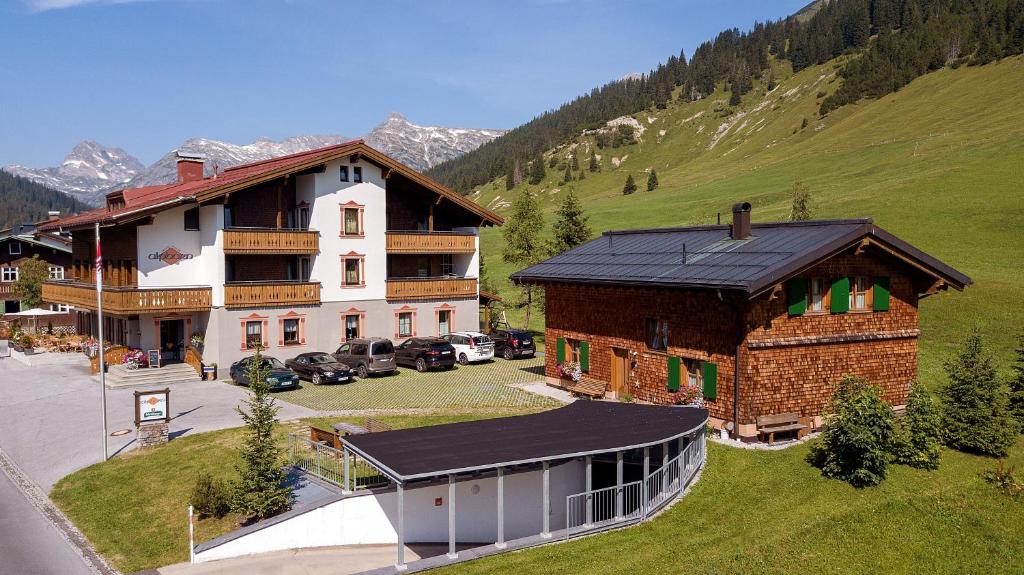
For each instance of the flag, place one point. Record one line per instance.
(99, 262)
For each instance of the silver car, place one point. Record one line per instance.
(368, 356)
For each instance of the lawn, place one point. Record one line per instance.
(473, 387)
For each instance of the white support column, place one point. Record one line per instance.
(619, 495)
(590, 487)
(546, 505)
(451, 518)
(644, 496)
(401, 566)
(500, 544)
(684, 464)
(664, 463)
(345, 485)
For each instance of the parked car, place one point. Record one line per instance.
(320, 367)
(425, 353)
(368, 356)
(471, 346)
(279, 376)
(513, 343)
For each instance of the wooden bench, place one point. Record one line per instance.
(780, 423)
(586, 387)
(374, 425)
(324, 436)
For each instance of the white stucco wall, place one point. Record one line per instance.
(372, 518)
(204, 268)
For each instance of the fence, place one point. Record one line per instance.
(601, 508)
(330, 465)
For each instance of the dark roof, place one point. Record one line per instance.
(580, 428)
(708, 257)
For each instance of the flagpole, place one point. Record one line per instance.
(99, 324)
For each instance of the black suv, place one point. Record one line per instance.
(513, 343)
(425, 353)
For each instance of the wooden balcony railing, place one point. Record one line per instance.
(430, 288)
(129, 300)
(271, 294)
(271, 241)
(6, 290)
(430, 243)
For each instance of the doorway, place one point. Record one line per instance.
(620, 371)
(172, 340)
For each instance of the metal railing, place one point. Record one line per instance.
(329, 464)
(610, 506)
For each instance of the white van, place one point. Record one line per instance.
(471, 346)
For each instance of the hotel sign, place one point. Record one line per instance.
(170, 256)
(152, 406)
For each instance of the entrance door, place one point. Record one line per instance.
(172, 340)
(620, 371)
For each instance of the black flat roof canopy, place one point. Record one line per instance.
(580, 428)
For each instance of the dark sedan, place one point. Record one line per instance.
(320, 367)
(425, 353)
(279, 376)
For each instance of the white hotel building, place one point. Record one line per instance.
(297, 253)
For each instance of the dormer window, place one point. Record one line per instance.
(357, 174)
(343, 173)
(192, 220)
(14, 248)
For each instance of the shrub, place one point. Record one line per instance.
(918, 438)
(858, 432)
(210, 497)
(1005, 479)
(1017, 385)
(975, 411)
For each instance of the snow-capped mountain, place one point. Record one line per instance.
(87, 172)
(422, 147)
(91, 170)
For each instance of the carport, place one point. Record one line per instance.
(565, 443)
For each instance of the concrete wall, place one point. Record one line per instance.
(371, 518)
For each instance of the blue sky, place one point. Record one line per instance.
(145, 75)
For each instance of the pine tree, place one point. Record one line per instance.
(630, 186)
(537, 172)
(510, 177)
(919, 439)
(975, 404)
(567, 176)
(1017, 385)
(652, 180)
(523, 244)
(581, 175)
(261, 491)
(517, 174)
(29, 286)
(575, 162)
(801, 210)
(572, 227)
(594, 166)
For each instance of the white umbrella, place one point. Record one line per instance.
(34, 313)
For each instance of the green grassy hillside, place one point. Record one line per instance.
(939, 163)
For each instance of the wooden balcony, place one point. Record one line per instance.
(430, 243)
(7, 290)
(129, 300)
(260, 294)
(430, 288)
(270, 241)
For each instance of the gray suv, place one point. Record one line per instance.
(368, 356)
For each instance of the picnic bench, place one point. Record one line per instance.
(333, 437)
(779, 423)
(586, 387)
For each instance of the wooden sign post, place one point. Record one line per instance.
(152, 416)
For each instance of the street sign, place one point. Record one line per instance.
(152, 406)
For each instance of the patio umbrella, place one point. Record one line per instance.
(34, 314)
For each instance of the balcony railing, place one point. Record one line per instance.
(401, 242)
(270, 241)
(129, 300)
(430, 288)
(6, 289)
(257, 294)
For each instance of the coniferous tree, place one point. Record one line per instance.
(919, 436)
(575, 162)
(572, 227)
(567, 176)
(652, 180)
(801, 210)
(630, 186)
(593, 166)
(581, 175)
(261, 490)
(1017, 385)
(975, 404)
(523, 244)
(23, 201)
(510, 177)
(32, 272)
(517, 173)
(537, 172)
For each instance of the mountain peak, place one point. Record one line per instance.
(423, 147)
(396, 116)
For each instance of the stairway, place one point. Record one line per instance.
(120, 376)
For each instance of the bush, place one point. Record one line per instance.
(1005, 479)
(210, 497)
(918, 438)
(857, 437)
(975, 411)
(1017, 385)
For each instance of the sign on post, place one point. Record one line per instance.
(153, 416)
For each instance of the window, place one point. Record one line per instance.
(253, 334)
(229, 220)
(351, 326)
(353, 273)
(9, 274)
(192, 220)
(447, 265)
(572, 350)
(405, 324)
(860, 293)
(423, 267)
(343, 173)
(694, 372)
(303, 217)
(61, 307)
(357, 174)
(656, 333)
(56, 272)
(305, 267)
(290, 331)
(817, 296)
(444, 322)
(14, 248)
(351, 224)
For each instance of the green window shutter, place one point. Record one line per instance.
(881, 294)
(673, 374)
(796, 292)
(584, 356)
(560, 350)
(710, 380)
(840, 295)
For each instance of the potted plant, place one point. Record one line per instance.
(26, 344)
(570, 370)
(688, 396)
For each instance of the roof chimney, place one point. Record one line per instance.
(53, 215)
(741, 221)
(190, 167)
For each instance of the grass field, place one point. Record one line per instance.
(938, 163)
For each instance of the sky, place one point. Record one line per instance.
(144, 75)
